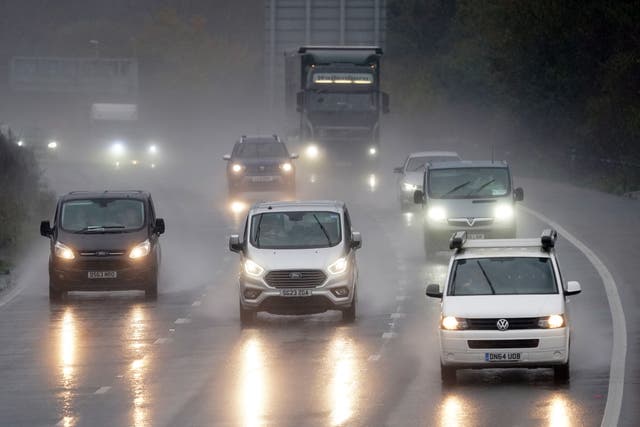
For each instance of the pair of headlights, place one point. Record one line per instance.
(502, 212)
(237, 168)
(452, 323)
(141, 250)
(251, 268)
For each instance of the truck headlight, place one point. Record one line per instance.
(117, 148)
(63, 251)
(504, 212)
(141, 250)
(409, 187)
(338, 267)
(552, 322)
(437, 214)
(286, 167)
(252, 269)
(451, 323)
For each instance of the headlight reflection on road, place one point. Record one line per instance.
(455, 412)
(67, 359)
(559, 412)
(136, 336)
(252, 384)
(344, 380)
(408, 219)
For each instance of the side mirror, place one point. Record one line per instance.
(299, 101)
(226, 157)
(573, 288)
(159, 226)
(356, 240)
(399, 169)
(45, 229)
(385, 103)
(418, 197)
(433, 291)
(294, 156)
(234, 243)
(518, 194)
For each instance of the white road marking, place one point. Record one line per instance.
(66, 421)
(172, 330)
(398, 315)
(619, 350)
(196, 304)
(102, 390)
(162, 341)
(388, 335)
(374, 358)
(401, 298)
(182, 321)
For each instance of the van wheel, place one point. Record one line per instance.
(151, 293)
(55, 295)
(561, 373)
(247, 316)
(448, 375)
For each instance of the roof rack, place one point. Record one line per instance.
(104, 192)
(547, 241)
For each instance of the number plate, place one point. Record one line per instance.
(103, 274)
(475, 236)
(262, 178)
(502, 357)
(296, 292)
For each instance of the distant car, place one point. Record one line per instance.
(260, 163)
(297, 258)
(104, 241)
(475, 196)
(504, 306)
(412, 170)
(128, 154)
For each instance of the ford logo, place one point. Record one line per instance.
(295, 276)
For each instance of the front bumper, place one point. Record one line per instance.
(552, 348)
(321, 299)
(131, 275)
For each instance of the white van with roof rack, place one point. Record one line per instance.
(504, 305)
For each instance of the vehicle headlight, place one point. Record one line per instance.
(141, 250)
(373, 151)
(287, 167)
(117, 148)
(437, 214)
(63, 251)
(452, 323)
(153, 149)
(409, 187)
(237, 168)
(312, 151)
(504, 212)
(338, 267)
(52, 145)
(552, 322)
(252, 269)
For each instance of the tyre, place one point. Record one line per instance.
(151, 292)
(561, 373)
(54, 293)
(448, 374)
(247, 316)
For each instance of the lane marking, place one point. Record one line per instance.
(388, 335)
(102, 390)
(398, 315)
(66, 421)
(374, 358)
(162, 341)
(196, 304)
(182, 321)
(619, 351)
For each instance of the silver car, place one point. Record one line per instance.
(412, 170)
(297, 258)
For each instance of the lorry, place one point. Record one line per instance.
(334, 93)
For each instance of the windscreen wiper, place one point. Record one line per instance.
(324, 230)
(92, 228)
(456, 188)
(258, 231)
(477, 190)
(484, 273)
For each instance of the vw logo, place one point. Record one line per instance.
(102, 253)
(502, 324)
(471, 221)
(295, 276)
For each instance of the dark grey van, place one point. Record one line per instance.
(104, 241)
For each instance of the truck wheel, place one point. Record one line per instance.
(561, 373)
(55, 295)
(151, 293)
(247, 316)
(448, 375)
